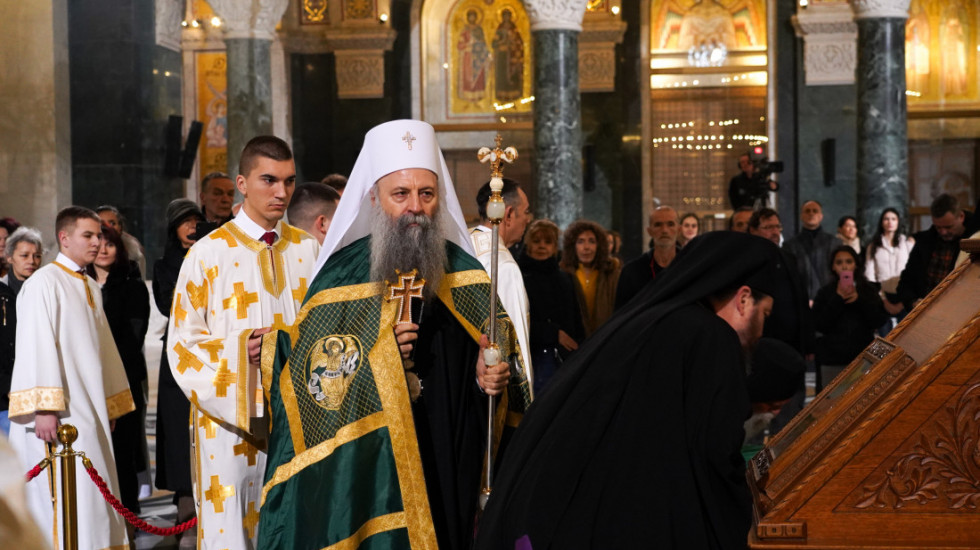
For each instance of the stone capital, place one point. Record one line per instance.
(830, 43)
(867, 9)
(555, 14)
(167, 23)
(250, 18)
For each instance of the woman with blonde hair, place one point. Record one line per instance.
(585, 255)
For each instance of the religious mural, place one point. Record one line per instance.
(940, 57)
(212, 105)
(489, 58)
(686, 25)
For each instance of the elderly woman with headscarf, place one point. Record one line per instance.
(173, 409)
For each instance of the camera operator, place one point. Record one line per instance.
(751, 187)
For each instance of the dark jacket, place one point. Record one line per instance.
(8, 335)
(552, 303)
(913, 285)
(126, 303)
(635, 275)
(812, 248)
(846, 328)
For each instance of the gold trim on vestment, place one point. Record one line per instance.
(373, 526)
(288, 394)
(333, 295)
(120, 404)
(268, 359)
(36, 399)
(270, 260)
(389, 376)
(117, 547)
(84, 278)
(241, 392)
(461, 279)
(196, 470)
(322, 450)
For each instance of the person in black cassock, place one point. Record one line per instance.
(637, 442)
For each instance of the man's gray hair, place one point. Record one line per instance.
(23, 234)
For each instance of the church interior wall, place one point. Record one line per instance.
(35, 141)
(123, 88)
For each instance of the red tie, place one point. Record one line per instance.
(269, 237)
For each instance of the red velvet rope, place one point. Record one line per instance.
(132, 518)
(36, 470)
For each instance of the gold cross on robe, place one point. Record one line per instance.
(406, 289)
(198, 295)
(222, 233)
(244, 448)
(213, 347)
(251, 518)
(300, 293)
(179, 313)
(278, 323)
(240, 300)
(222, 379)
(210, 428)
(186, 358)
(217, 494)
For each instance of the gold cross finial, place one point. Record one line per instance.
(406, 289)
(217, 493)
(496, 157)
(408, 138)
(240, 300)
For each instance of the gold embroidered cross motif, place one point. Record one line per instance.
(198, 295)
(185, 358)
(222, 233)
(406, 289)
(179, 313)
(240, 300)
(278, 323)
(222, 379)
(243, 448)
(213, 347)
(408, 138)
(300, 293)
(210, 428)
(217, 494)
(211, 273)
(251, 519)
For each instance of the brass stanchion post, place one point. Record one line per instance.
(67, 434)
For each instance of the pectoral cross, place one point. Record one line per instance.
(406, 289)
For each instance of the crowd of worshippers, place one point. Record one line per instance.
(606, 337)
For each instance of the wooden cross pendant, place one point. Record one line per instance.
(406, 289)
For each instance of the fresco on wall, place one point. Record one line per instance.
(212, 105)
(941, 54)
(489, 52)
(680, 25)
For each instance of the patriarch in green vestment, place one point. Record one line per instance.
(378, 403)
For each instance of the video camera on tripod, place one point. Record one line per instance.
(762, 171)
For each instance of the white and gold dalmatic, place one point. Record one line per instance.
(230, 284)
(67, 362)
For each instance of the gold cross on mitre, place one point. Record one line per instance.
(408, 138)
(406, 289)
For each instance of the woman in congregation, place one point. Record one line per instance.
(886, 256)
(847, 232)
(7, 228)
(690, 227)
(846, 312)
(126, 303)
(173, 408)
(556, 324)
(22, 254)
(585, 256)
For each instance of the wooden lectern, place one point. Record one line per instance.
(888, 455)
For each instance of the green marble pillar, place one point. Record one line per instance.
(249, 94)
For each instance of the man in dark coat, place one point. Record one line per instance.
(637, 442)
(643, 269)
(812, 246)
(934, 254)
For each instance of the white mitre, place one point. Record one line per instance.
(389, 147)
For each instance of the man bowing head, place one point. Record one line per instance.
(378, 405)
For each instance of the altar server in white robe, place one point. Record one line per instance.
(510, 285)
(237, 282)
(68, 371)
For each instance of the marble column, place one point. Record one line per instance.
(555, 28)
(882, 161)
(249, 31)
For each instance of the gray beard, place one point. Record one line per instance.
(397, 246)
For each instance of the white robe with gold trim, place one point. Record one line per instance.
(510, 285)
(230, 285)
(67, 362)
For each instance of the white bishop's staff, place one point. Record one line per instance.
(491, 355)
